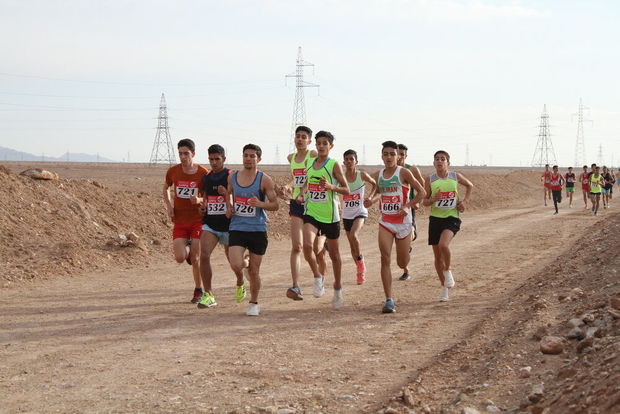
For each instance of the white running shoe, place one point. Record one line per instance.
(448, 279)
(253, 310)
(338, 299)
(443, 294)
(319, 288)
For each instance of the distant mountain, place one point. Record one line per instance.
(8, 154)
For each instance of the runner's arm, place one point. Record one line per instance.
(268, 190)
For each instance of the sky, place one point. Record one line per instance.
(459, 75)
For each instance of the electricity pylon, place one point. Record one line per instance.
(163, 150)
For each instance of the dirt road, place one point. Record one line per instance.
(130, 341)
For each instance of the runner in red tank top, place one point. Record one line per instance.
(584, 178)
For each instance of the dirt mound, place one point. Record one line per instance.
(65, 226)
(573, 304)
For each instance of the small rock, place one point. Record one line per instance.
(576, 333)
(525, 372)
(552, 345)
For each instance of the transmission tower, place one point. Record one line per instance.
(580, 146)
(599, 157)
(544, 153)
(299, 107)
(163, 150)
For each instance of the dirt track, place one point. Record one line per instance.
(128, 340)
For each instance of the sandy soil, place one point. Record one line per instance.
(124, 338)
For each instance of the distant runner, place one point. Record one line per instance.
(321, 213)
(402, 157)
(585, 185)
(596, 188)
(185, 180)
(555, 184)
(394, 184)
(444, 222)
(545, 178)
(354, 213)
(250, 193)
(570, 185)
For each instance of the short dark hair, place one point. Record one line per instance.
(186, 142)
(403, 147)
(217, 149)
(304, 129)
(350, 152)
(325, 134)
(254, 147)
(448, 155)
(390, 144)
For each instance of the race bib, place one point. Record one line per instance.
(186, 189)
(317, 194)
(243, 208)
(216, 205)
(352, 201)
(446, 201)
(299, 177)
(390, 204)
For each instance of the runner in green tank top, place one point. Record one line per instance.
(325, 178)
(444, 222)
(402, 156)
(299, 162)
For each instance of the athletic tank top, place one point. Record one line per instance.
(353, 203)
(448, 190)
(595, 184)
(554, 182)
(394, 195)
(585, 178)
(319, 202)
(215, 212)
(246, 217)
(298, 169)
(570, 179)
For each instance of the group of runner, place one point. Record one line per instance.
(595, 184)
(226, 207)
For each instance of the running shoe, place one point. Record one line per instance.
(197, 295)
(338, 299)
(388, 306)
(405, 276)
(207, 301)
(294, 293)
(361, 270)
(443, 294)
(253, 309)
(319, 288)
(448, 279)
(240, 293)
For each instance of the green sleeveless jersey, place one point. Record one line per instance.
(448, 190)
(298, 169)
(319, 202)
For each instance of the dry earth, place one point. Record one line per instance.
(90, 326)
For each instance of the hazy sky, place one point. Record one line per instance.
(87, 76)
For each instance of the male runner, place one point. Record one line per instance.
(570, 186)
(402, 156)
(321, 213)
(214, 223)
(545, 178)
(248, 225)
(185, 179)
(596, 184)
(442, 194)
(585, 186)
(354, 213)
(608, 187)
(555, 185)
(394, 184)
(298, 163)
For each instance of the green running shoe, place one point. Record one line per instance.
(207, 301)
(240, 293)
